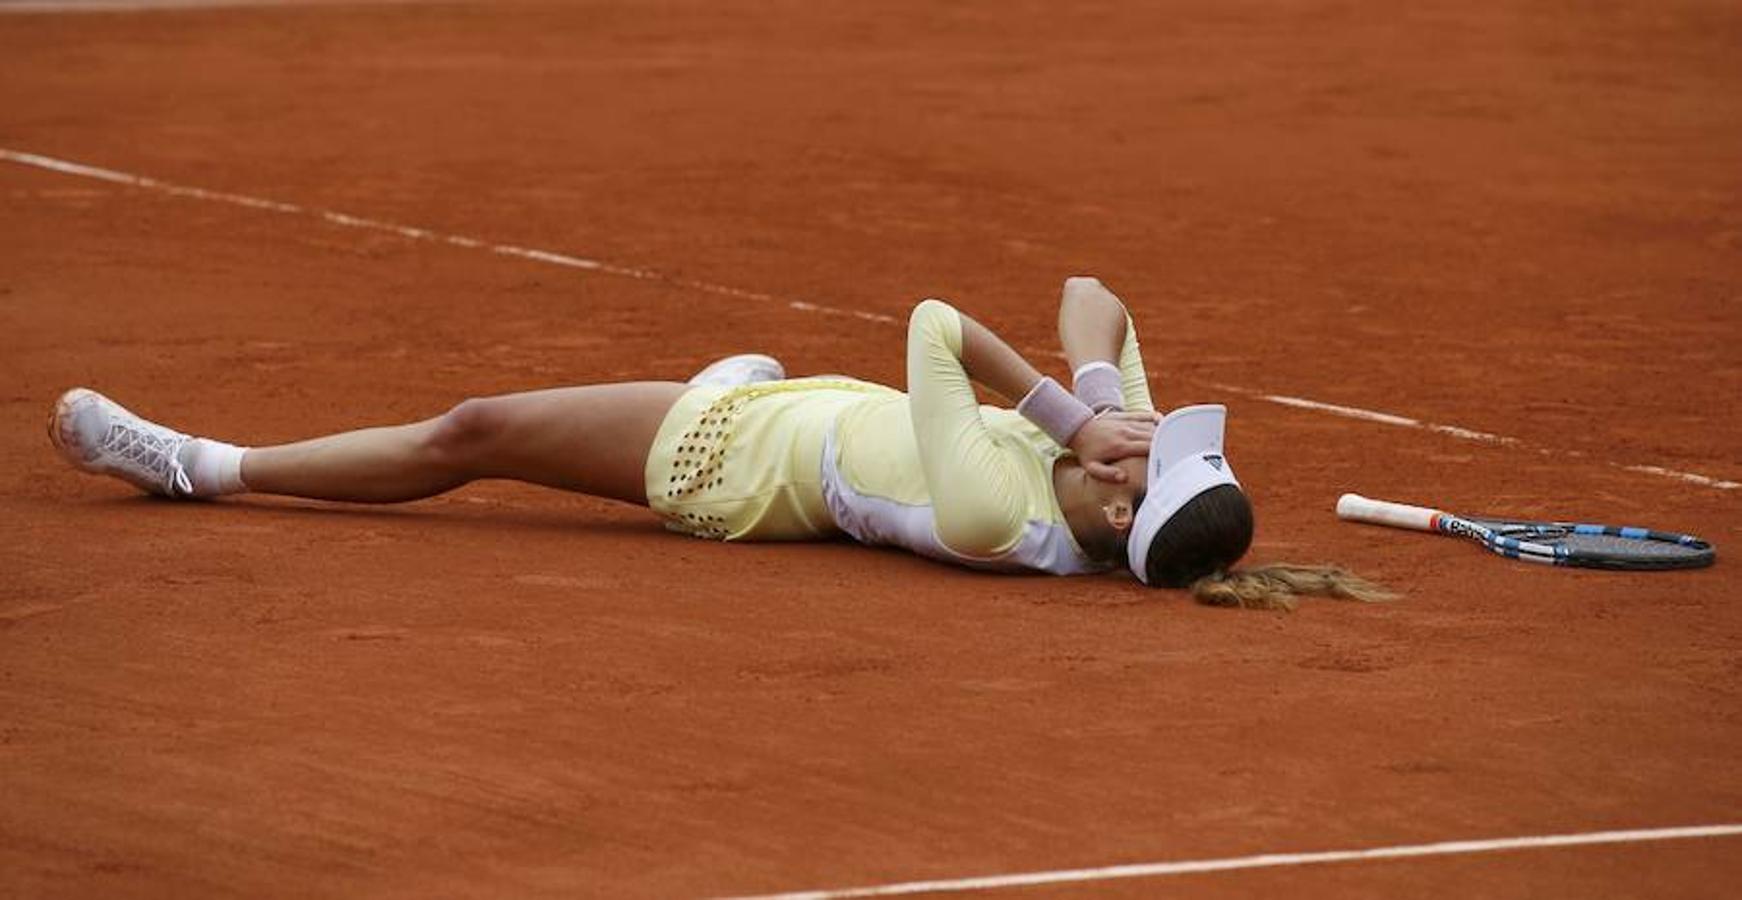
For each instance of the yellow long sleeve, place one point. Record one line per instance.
(973, 478)
(1133, 381)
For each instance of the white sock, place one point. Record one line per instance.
(214, 467)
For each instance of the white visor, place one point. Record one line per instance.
(1185, 460)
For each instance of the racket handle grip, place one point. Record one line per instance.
(1357, 508)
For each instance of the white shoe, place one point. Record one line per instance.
(745, 368)
(98, 435)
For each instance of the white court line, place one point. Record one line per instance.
(1354, 412)
(1468, 434)
(1261, 861)
(592, 265)
(347, 220)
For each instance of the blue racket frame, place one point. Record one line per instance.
(1511, 539)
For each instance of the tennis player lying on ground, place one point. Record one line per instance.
(1067, 483)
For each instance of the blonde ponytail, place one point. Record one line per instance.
(1276, 586)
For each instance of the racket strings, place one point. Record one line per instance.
(1596, 546)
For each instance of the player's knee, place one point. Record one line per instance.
(464, 434)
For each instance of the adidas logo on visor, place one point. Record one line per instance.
(1215, 460)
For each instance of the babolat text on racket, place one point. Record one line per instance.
(1555, 543)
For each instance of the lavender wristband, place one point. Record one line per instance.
(1055, 411)
(1100, 385)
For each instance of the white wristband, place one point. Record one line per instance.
(1100, 385)
(1050, 407)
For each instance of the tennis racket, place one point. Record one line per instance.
(1553, 543)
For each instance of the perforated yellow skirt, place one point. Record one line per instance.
(745, 463)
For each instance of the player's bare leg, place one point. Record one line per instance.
(592, 439)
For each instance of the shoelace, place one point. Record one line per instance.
(151, 451)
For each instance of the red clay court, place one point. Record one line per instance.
(1487, 256)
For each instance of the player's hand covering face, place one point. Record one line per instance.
(1111, 437)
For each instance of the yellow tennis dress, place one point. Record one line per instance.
(931, 470)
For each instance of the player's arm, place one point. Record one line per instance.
(945, 345)
(1100, 341)
(978, 512)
